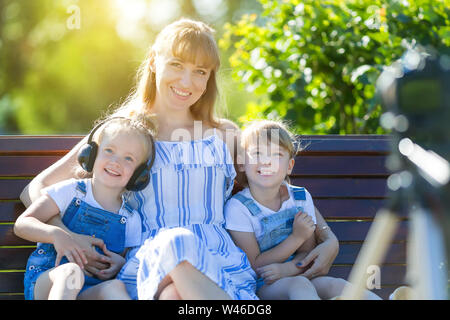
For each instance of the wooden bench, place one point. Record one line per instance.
(345, 175)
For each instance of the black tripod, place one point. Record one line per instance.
(417, 94)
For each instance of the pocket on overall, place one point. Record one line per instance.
(101, 224)
(280, 233)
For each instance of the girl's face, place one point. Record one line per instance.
(179, 84)
(267, 165)
(117, 158)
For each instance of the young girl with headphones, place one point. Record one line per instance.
(119, 160)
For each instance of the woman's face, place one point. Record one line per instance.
(179, 83)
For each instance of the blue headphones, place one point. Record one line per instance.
(141, 176)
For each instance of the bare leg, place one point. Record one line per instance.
(191, 284)
(167, 290)
(107, 290)
(60, 283)
(330, 287)
(290, 288)
(170, 293)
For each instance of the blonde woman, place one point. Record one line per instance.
(188, 254)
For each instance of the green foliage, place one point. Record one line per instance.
(316, 63)
(57, 78)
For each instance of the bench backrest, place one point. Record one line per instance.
(346, 176)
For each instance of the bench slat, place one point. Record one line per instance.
(10, 211)
(11, 282)
(348, 252)
(25, 166)
(10, 145)
(329, 208)
(10, 189)
(357, 231)
(8, 238)
(343, 187)
(344, 231)
(351, 208)
(14, 258)
(354, 144)
(339, 165)
(305, 165)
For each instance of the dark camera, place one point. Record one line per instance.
(416, 93)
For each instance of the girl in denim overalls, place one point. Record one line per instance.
(272, 221)
(94, 207)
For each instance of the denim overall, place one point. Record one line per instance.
(80, 218)
(277, 227)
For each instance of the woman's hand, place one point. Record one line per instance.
(117, 262)
(66, 246)
(321, 257)
(95, 262)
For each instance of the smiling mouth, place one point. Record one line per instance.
(181, 93)
(112, 172)
(265, 172)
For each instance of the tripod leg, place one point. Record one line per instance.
(427, 266)
(372, 253)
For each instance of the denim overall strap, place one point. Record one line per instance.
(299, 195)
(81, 186)
(249, 204)
(72, 209)
(298, 192)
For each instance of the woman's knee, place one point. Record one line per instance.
(169, 293)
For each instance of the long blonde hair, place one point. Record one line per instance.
(190, 41)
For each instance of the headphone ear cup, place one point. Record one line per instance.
(140, 178)
(87, 155)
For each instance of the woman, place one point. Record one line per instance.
(186, 253)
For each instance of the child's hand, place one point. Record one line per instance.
(117, 261)
(271, 272)
(303, 226)
(66, 246)
(95, 260)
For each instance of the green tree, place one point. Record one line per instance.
(56, 77)
(316, 63)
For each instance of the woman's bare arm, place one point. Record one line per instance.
(61, 170)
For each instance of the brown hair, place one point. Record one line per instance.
(190, 41)
(270, 130)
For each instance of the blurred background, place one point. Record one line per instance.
(63, 63)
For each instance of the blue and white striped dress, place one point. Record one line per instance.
(182, 219)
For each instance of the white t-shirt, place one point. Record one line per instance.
(239, 218)
(63, 193)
